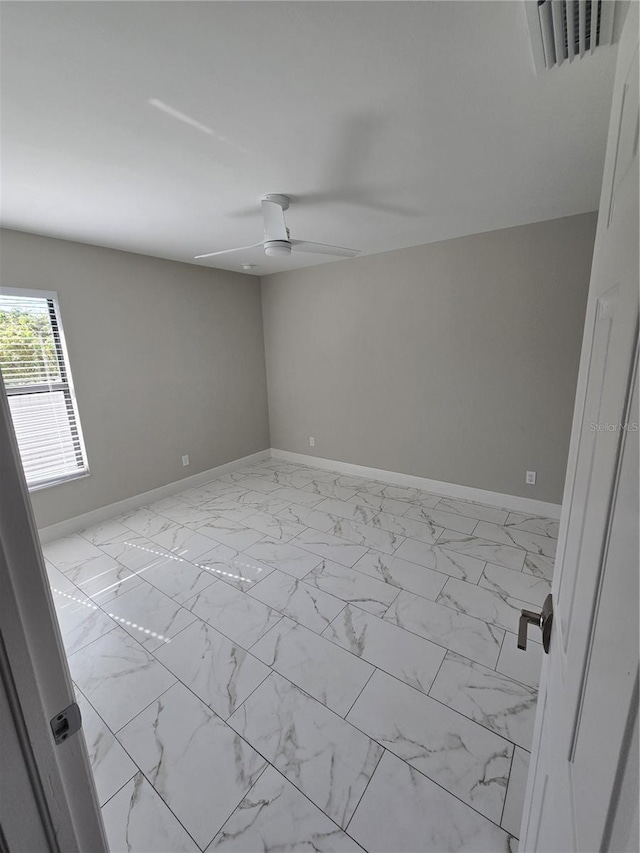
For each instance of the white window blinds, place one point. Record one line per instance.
(37, 378)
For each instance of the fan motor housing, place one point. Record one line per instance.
(277, 248)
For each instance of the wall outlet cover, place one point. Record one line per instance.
(531, 478)
(312, 441)
(185, 460)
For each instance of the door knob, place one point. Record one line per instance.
(544, 621)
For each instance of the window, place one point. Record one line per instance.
(35, 369)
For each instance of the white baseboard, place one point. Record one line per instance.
(514, 503)
(79, 522)
(449, 490)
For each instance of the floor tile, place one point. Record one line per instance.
(348, 510)
(105, 531)
(402, 574)
(275, 816)
(523, 665)
(297, 496)
(231, 533)
(331, 547)
(515, 792)
(234, 477)
(533, 524)
(284, 556)
(178, 578)
(493, 700)
(482, 549)
(426, 819)
(258, 484)
(234, 613)
(322, 755)
(458, 754)
(403, 525)
(410, 658)
(355, 587)
(307, 516)
(118, 677)
(219, 487)
(273, 526)
(220, 672)
(110, 764)
(200, 767)
(533, 542)
(330, 490)
(436, 558)
(137, 821)
(349, 481)
(186, 543)
(150, 616)
(232, 503)
(369, 536)
(294, 479)
(165, 503)
(80, 620)
(440, 518)
(70, 552)
(136, 552)
(192, 516)
(274, 464)
(379, 504)
(473, 510)
(538, 565)
(239, 514)
(201, 495)
(320, 668)
(481, 603)
(424, 500)
(258, 500)
(311, 607)
(146, 522)
(103, 578)
(510, 584)
(324, 577)
(60, 585)
(400, 493)
(470, 637)
(232, 567)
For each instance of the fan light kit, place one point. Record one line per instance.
(277, 243)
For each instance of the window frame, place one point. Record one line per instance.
(66, 385)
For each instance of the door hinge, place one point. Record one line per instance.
(66, 723)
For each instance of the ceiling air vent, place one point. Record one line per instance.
(567, 29)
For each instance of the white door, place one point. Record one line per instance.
(583, 751)
(47, 796)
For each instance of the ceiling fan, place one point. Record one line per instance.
(277, 242)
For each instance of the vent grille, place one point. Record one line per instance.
(563, 30)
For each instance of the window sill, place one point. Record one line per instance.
(67, 479)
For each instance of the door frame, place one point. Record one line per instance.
(53, 784)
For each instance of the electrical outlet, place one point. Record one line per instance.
(312, 441)
(185, 460)
(531, 478)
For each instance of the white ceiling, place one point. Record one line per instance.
(390, 124)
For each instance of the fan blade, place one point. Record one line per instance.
(323, 249)
(227, 251)
(274, 224)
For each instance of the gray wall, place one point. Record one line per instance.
(455, 360)
(167, 359)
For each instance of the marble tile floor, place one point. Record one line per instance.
(291, 659)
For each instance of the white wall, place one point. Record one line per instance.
(167, 359)
(456, 361)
